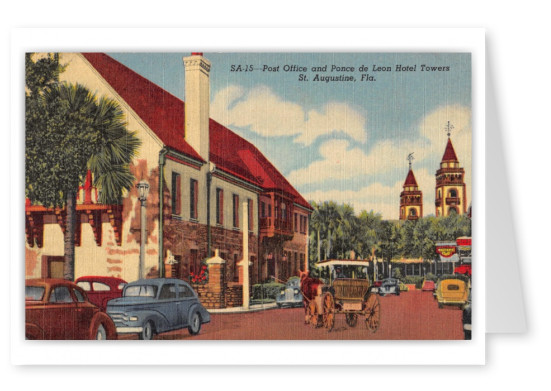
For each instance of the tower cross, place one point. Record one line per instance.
(449, 128)
(410, 158)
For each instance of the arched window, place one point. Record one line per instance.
(452, 210)
(412, 212)
(452, 193)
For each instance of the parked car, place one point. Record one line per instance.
(59, 309)
(153, 306)
(466, 268)
(374, 288)
(390, 286)
(467, 319)
(290, 295)
(101, 289)
(451, 291)
(428, 286)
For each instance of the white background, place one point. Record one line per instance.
(517, 49)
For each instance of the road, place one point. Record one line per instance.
(411, 316)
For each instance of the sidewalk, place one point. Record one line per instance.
(252, 308)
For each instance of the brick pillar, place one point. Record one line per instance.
(217, 282)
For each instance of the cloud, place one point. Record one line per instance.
(265, 113)
(340, 160)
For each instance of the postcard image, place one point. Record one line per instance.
(248, 196)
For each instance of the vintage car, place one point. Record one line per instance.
(467, 310)
(101, 289)
(428, 286)
(153, 306)
(290, 296)
(465, 268)
(390, 286)
(452, 291)
(59, 309)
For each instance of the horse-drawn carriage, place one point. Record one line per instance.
(348, 292)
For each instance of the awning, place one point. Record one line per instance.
(342, 262)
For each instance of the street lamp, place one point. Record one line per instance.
(143, 191)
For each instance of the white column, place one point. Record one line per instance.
(245, 261)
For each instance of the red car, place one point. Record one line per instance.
(59, 309)
(463, 269)
(101, 289)
(428, 286)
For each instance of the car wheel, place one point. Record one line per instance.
(101, 334)
(195, 324)
(147, 332)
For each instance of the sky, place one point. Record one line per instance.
(346, 139)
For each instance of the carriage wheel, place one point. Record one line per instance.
(373, 313)
(352, 320)
(328, 311)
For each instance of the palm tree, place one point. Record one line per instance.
(69, 131)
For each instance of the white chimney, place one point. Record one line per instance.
(197, 100)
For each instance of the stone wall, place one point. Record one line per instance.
(234, 295)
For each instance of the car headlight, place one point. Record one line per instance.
(296, 291)
(282, 292)
(133, 318)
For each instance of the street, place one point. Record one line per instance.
(411, 316)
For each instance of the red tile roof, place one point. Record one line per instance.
(164, 114)
(410, 179)
(449, 153)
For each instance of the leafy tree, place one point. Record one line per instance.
(68, 132)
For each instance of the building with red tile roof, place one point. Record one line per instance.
(203, 179)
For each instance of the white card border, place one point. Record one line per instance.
(24, 352)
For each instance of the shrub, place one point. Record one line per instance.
(267, 291)
(431, 277)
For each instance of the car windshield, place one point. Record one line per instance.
(34, 293)
(141, 290)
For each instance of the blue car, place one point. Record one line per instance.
(290, 295)
(152, 306)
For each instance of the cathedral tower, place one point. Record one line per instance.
(411, 198)
(451, 192)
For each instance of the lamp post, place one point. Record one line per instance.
(143, 191)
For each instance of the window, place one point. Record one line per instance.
(262, 209)
(79, 296)
(296, 222)
(412, 212)
(453, 193)
(236, 211)
(219, 206)
(193, 193)
(141, 290)
(84, 285)
(100, 286)
(176, 194)
(251, 215)
(283, 211)
(168, 291)
(235, 272)
(61, 294)
(184, 291)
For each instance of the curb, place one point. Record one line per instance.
(238, 310)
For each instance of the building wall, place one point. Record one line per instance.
(109, 259)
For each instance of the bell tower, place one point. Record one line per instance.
(411, 198)
(451, 192)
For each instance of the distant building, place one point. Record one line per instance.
(201, 176)
(411, 198)
(451, 191)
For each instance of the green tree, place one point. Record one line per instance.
(70, 131)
